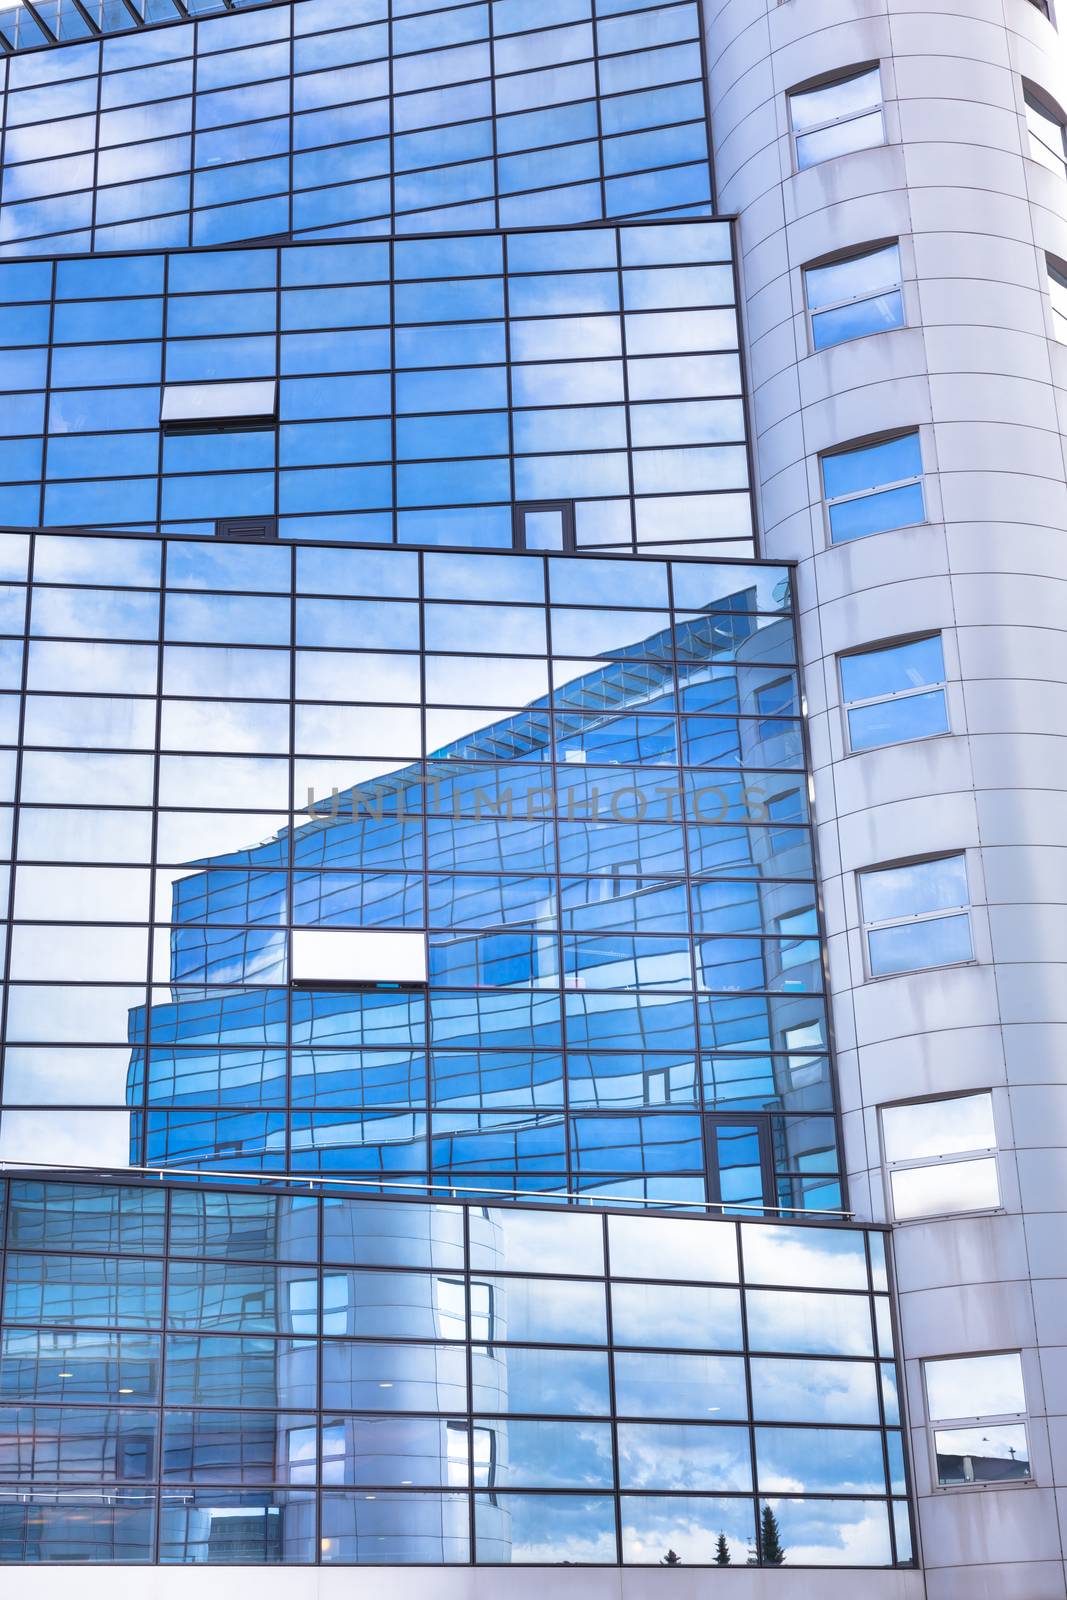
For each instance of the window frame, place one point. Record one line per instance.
(1034, 99)
(854, 447)
(953, 1158)
(1056, 276)
(868, 927)
(978, 1420)
(845, 76)
(518, 525)
(811, 312)
(895, 695)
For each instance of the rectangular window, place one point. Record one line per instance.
(336, 957)
(941, 1156)
(895, 693)
(976, 1407)
(544, 525)
(1057, 293)
(874, 488)
(1048, 137)
(835, 118)
(204, 407)
(916, 915)
(861, 295)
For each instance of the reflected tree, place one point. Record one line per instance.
(671, 1559)
(722, 1551)
(771, 1547)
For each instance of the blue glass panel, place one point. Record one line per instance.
(85, 1289)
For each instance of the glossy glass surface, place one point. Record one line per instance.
(584, 1017)
(854, 486)
(376, 392)
(857, 296)
(290, 1384)
(894, 688)
(301, 122)
(901, 906)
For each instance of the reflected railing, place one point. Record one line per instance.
(29, 24)
(385, 1187)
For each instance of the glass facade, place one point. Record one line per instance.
(336, 118)
(367, 824)
(571, 790)
(295, 1379)
(424, 388)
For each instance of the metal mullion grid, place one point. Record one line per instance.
(276, 430)
(698, 1068)
(746, 1355)
(424, 858)
(157, 1491)
(594, 29)
(490, 10)
(705, 83)
(904, 1423)
(96, 142)
(391, 100)
(881, 1399)
(508, 385)
(160, 454)
(5, 91)
(194, 124)
(625, 365)
(153, 931)
(612, 1401)
(292, 126)
(472, 1534)
(288, 874)
(15, 810)
(319, 1410)
(46, 405)
(556, 876)
(394, 526)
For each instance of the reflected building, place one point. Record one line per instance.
(547, 1042)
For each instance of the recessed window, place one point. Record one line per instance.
(1048, 137)
(895, 693)
(544, 525)
(341, 957)
(837, 117)
(1057, 293)
(941, 1156)
(874, 488)
(916, 915)
(976, 1407)
(1044, 8)
(207, 407)
(860, 295)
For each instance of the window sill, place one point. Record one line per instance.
(914, 972)
(896, 744)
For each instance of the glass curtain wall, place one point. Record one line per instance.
(327, 119)
(352, 1382)
(425, 388)
(572, 790)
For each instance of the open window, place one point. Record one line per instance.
(544, 525)
(976, 1408)
(219, 407)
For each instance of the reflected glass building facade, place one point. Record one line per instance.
(241, 1379)
(606, 884)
